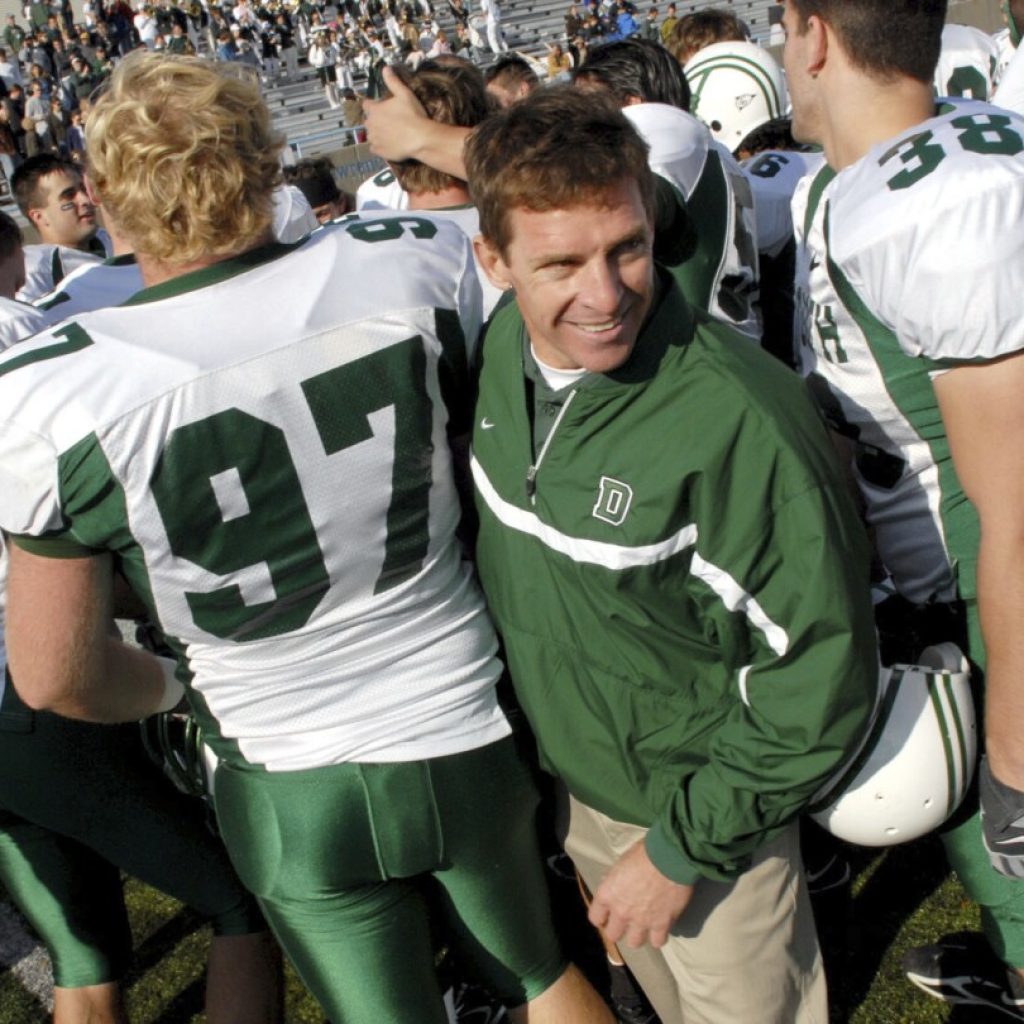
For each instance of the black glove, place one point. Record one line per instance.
(1002, 823)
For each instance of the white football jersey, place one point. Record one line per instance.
(382, 192)
(47, 265)
(1005, 49)
(92, 286)
(1010, 92)
(264, 445)
(967, 64)
(910, 265)
(722, 276)
(19, 320)
(774, 176)
(468, 220)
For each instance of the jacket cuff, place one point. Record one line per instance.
(665, 856)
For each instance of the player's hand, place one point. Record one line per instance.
(1002, 822)
(394, 125)
(636, 902)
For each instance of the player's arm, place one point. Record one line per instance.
(984, 418)
(60, 651)
(398, 129)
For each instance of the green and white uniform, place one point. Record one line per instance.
(277, 487)
(287, 635)
(968, 64)
(680, 582)
(81, 802)
(910, 265)
(382, 192)
(47, 265)
(293, 216)
(468, 220)
(19, 320)
(774, 176)
(1010, 93)
(721, 276)
(91, 286)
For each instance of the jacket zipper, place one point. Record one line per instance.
(531, 473)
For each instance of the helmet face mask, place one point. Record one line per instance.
(917, 760)
(735, 87)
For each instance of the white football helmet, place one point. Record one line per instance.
(735, 87)
(917, 760)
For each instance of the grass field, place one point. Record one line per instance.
(901, 898)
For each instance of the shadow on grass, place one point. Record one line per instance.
(179, 1000)
(859, 923)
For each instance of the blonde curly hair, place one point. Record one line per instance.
(183, 156)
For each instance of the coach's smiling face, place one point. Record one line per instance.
(583, 277)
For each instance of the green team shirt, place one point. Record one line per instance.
(681, 584)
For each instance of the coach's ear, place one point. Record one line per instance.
(490, 258)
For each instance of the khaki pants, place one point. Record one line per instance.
(744, 952)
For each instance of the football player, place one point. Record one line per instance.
(913, 341)
(51, 193)
(738, 90)
(704, 182)
(17, 319)
(277, 488)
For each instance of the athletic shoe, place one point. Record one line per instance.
(832, 873)
(472, 1005)
(629, 1004)
(964, 971)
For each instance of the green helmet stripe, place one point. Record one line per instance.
(746, 66)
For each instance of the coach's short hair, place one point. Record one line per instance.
(451, 92)
(885, 38)
(636, 69)
(183, 155)
(558, 148)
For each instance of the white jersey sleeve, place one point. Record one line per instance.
(938, 208)
(293, 216)
(1010, 93)
(774, 176)
(720, 202)
(47, 265)
(91, 286)
(678, 142)
(382, 192)
(19, 320)
(968, 63)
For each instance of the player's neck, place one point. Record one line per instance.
(457, 195)
(867, 112)
(155, 271)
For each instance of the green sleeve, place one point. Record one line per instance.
(799, 644)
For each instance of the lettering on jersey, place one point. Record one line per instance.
(768, 165)
(983, 133)
(828, 335)
(613, 500)
(390, 228)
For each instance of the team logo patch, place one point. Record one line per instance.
(613, 501)
(744, 101)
